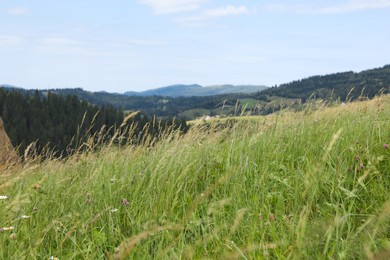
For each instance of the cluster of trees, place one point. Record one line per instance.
(343, 86)
(159, 106)
(156, 105)
(59, 122)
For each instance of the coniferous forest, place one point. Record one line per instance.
(345, 85)
(59, 123)
(58, 119)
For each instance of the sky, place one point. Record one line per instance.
(135, 45)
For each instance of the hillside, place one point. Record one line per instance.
(159, 106)
(345, 85)
(172, 101)
(57, 124)
(181, 90)
(308, 185)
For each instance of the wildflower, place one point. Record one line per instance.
(53, 258)
(385, 146)
(13, 236)
(3, 197)
(272, 245)
(114, 210)
(288, 218)
(125, 202)
(6, 229)
(24, 216)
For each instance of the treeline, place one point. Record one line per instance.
(344, 86)
(339, 86)
(59, 123)
(155, 105)
(159, 106)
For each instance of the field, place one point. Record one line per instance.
(308, 185)
(200, 112)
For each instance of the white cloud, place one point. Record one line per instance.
(17, 10)
(344, 7)
(145, 42)
(201, 20)
(63, 41)
(60, 45)
(227, 11)
(10, 40)
(93, 47)
(245, 59)
(172, 6)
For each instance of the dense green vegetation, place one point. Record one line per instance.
(60, 123)
(343, 86)
(181, 90)
(158, 105)
(339, 86)
(308, 185)
(186, 108)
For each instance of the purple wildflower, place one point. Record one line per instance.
(385, 146)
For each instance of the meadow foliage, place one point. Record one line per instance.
(313, 184)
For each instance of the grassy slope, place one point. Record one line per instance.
(310, 185)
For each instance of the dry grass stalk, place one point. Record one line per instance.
(8, 155)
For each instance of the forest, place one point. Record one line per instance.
(159, 106)
(60, 123)
(337, 86)
(344, 86)
(58, 119)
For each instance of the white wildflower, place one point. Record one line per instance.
(6, 229)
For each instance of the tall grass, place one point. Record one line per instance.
(308, 185)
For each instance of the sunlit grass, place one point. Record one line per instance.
(307, 185)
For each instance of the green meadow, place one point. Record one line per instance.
(313, 184)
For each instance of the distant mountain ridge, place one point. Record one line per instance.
(178, 100)
(181, 90)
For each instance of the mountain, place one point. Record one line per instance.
(189, 101)
(153, 105)
(180, 90)
(169, 91)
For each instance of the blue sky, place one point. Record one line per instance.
(123, 45)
